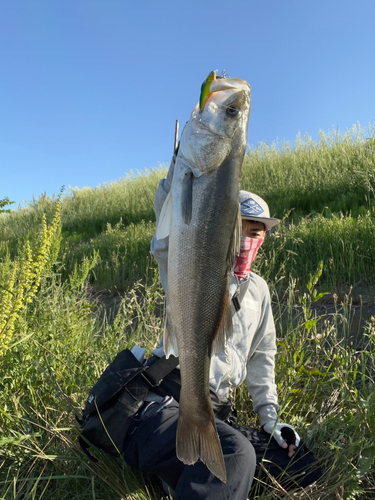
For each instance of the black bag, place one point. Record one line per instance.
(116, 397)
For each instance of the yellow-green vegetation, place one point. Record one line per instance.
(3, 203)
(21, 277)
(78, 284)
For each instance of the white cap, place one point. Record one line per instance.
(253, 207)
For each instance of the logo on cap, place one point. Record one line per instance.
(251, 207)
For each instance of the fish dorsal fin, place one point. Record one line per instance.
(165, 219)
(169, 339)
(235, 243)
(187, 196)
(225, 329)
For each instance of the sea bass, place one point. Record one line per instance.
(202, 218)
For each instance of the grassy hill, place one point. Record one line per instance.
(57, 338)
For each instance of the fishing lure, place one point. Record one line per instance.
(205, 89)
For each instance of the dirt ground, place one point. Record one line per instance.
(361, 304)
(360, 300)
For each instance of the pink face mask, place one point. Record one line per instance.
(248, 251)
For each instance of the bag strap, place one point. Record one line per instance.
(155, 373)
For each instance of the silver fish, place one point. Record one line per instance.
(202, 218)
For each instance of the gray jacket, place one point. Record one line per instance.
(250, 353)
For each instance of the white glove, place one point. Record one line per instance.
(282, 432)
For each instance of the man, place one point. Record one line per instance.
(249, 355)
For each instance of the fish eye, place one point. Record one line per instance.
(232, 110)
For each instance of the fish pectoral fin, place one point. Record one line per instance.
(187, 196)
(197, 438)
(225, 329)
(235, 243)
(165, 219)
(169, 339)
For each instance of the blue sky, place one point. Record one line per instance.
(90, 89)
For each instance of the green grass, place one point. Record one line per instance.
(345, 245)
(334, 172)
(332, 178)
(63, 339)
(325, 382)
(116, 219)
(123, 251)
(62, 345)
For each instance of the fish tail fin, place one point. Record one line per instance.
(197, 438)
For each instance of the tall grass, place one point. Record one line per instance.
(337, 172)
(345, 245)
(116, 219)
(325, 382)
(62, 344)
(88, 211)
(314, 181)
(63, 339)
(123, 255)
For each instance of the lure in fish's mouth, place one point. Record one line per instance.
(205, 89)
(214, 83)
